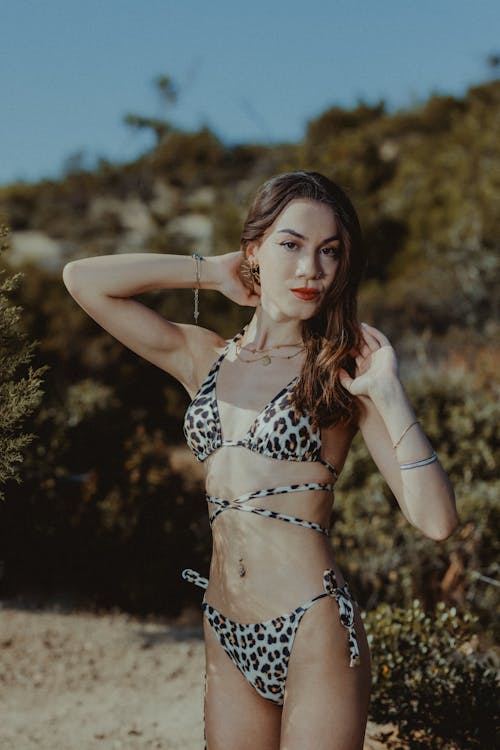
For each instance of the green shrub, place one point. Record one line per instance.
(184, 157)
(20, 384)
(337, 119)
(462, 421)
(426, 186)
(389, 560)
(431, 680)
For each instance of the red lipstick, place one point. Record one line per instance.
(305, 293)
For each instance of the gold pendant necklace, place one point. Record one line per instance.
(267, 358)
(269, 348)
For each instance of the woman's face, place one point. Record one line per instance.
(298, 259)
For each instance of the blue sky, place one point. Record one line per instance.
(252, 71)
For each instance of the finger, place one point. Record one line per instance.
(367, 334)
(376, 334)
(345, 379)
(370, 341)
(364, 352)
(365, 349)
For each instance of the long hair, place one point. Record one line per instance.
(332, 335)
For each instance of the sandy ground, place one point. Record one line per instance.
(83, 681)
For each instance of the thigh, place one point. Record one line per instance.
(236, 716)
(326, 700)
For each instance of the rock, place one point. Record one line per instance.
(197, 228)
(165, 201)
(389, 150)
(202, 199)
(132, 242)
(31, 245)
(132, 214)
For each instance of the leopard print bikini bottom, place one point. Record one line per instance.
(261, 650)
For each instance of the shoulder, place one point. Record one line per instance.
(199, 338)
(204, 347)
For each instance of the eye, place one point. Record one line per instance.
(332, 252)
(289, 244)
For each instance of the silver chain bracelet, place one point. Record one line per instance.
(198, 258)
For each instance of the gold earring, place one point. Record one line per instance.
(255, 271)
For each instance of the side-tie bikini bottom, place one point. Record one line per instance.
(261, 650)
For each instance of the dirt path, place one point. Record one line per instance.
(107, 682)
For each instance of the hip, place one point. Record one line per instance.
(251, 583)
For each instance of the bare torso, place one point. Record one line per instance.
(283, 563)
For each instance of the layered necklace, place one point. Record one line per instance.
(266, 358)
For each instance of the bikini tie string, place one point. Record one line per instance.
(194, 577)
(343, 597)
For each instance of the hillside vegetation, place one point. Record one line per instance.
(426, 183)
(106, 514)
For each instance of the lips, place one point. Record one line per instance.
(305, 293)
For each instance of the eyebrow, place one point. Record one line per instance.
(301, 236)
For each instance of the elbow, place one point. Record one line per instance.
(68, 275)
(440, 522)
(441, 532)
(72, 277)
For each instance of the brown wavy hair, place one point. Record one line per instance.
(332, 335)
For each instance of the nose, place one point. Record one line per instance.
(308, 266)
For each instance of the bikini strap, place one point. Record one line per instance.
(237, 336)
(282, 489)
(194, 577)
(224, 505)
(217, 363)
(241, 503)
(329, 466)
(344, 599)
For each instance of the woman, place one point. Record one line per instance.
(273, 421)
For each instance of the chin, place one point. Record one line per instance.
(291, 310)
(305, 312)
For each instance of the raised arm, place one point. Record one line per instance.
(397, 442)
(104, 286)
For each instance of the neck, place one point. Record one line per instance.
(264, 332)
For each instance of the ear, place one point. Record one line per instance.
(252, 250)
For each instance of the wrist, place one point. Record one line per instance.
(392, 403)
(209, 273)
(223, 271)
(387, 392)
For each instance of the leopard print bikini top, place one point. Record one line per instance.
(277, 431)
